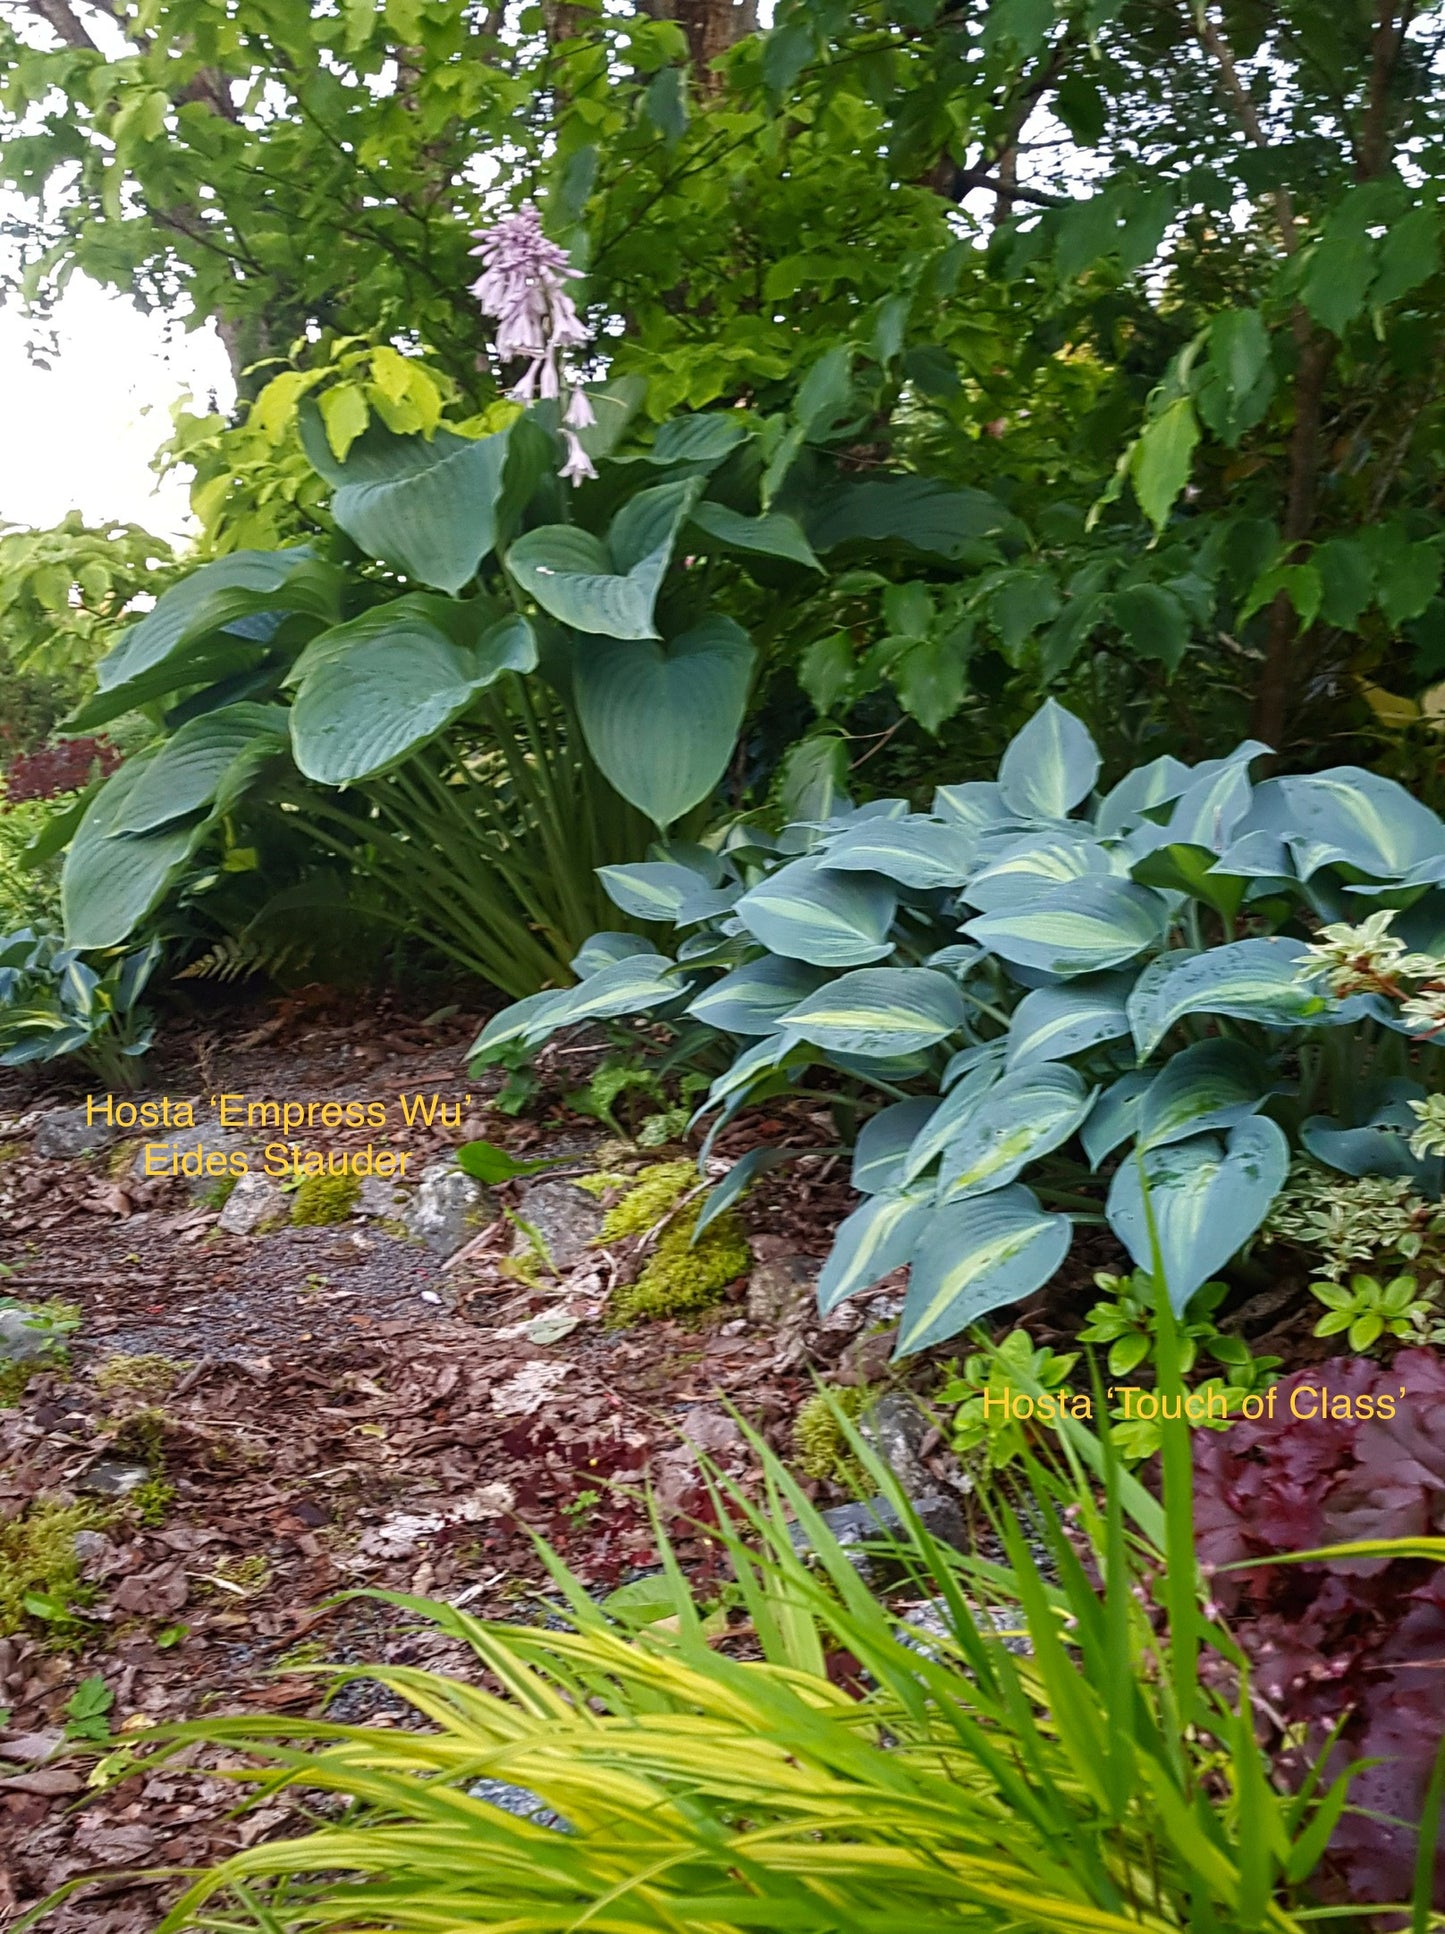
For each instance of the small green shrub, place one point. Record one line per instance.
(320, 1199)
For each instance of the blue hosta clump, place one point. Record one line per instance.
(1057, 997)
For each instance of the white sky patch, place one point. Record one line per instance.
(81, 435)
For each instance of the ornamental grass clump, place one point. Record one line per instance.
(819, 1767)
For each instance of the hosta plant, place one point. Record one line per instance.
(491, 683)
(1049, 996)
(53, 1003)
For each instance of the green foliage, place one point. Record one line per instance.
(653, 1193)
(984, 1430)
(50, 1324)
(39, 1571)
(1341, 1221)
(1036, 975)
(961, 1783)
(322, 1199)
(1125, 1321)
(29, 895)
(1368, 1310)
(86, 1710)
(53, 1003)
(149, 1375)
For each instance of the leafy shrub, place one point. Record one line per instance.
(53, 1003)
(560, 673)
(659, 1781)
(68, 766)
(29, 893)
(1342, 1221)
(1350, 1453)
(1053, 984)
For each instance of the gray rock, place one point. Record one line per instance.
(934, 1620)
(186, 1141)
(64, 1134)
(447, 1209)
(863, 1530)
(778, 1290)
(25, 1336)
(381, 1197)
(111, 1477)
(567, 1219)
(520, 1801)
(896, 1428)
(255, 1200)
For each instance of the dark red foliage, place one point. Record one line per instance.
(64, 767)
(1365, 1637)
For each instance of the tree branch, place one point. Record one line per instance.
(60, 20)
(1222, 54)
(1373, 152)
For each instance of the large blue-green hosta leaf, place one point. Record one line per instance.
(879, 1012)
(975, 1256)
(918, 851)
(872, 1242)
(632, 985)
(772, 535)
(607, 589)
(110, 880)
(880, 1154)
(1084, 927)
(527, 1021)
(958, 1107)
(661, 720)
(1050, 766)
(1348, 816)
(1211, 1085)
(1377, 1141)
(1031, 865)
(189, 770)
(378, 688)
(432, 507)
(976, 805)
(1144, 790)
(1115, 1115)
(1053, 1023)
(1207, 1198)
(828, 919)
(753, 998)
(601, 950)
(216, 596)
(1246, 980)
(1026, 1114)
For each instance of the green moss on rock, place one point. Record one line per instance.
(821, 1449)
(38, 1561)
(322, 1199)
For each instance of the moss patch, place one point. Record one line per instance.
(325, 1198)
(819, 1445)
(679, 1277)
(152, 1377)
(39, 1571)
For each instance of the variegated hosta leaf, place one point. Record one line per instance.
(1031, 864)
(957, 1107)
(1054, 1022)
(1211, 1085)
(1141, 791)
(1348, 816)
(530, 1018)
(1377, 1141)
(880, 1012)
(1084, 927)
(975, 805)
(1025, 1115)
(1207, 1198)
(917, 852)
(629, 986)
(653, 889)
(974, 1256)
(1115, 1115)
(1050, 766)
(1212, 807)
(828, 919)
(601, 950)
(872, 1242)
(749, 1070)
(881, 1151)
(1247, 980)
(751, 998)
(736, 1183)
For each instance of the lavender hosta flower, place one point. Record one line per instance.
(523, 284)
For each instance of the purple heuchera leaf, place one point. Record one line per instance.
(1367, 1636)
